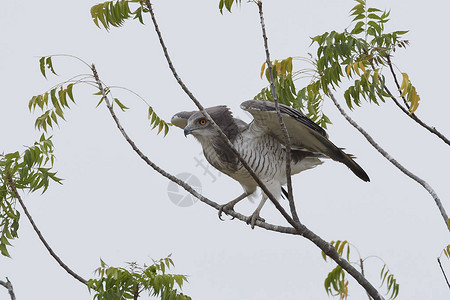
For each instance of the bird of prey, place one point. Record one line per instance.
(261, 144)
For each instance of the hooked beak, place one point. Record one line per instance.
(187, 130)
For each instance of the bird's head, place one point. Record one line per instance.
(198, 126)
(201, 128)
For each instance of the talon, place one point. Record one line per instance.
(220, 213)
(251, 220)
(225, 207)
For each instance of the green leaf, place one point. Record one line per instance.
(42, 66)
(228, 4)
(122, 107)
(53, 116)
(62, 97)
(49, 64)
(150, 112)
(100, 102)
(373, 16)
(4, 251)
(166, 129)
(70, 92)
(341, 247)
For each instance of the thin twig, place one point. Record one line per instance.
(287, 139)
(406, 110)
(41, 237)
(443, 272)
(361, 265)
(8, 285)
(392, 160)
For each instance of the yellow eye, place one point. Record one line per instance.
(202, 122)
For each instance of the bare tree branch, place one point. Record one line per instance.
(8, 285)
(392, 160)
(406, 110)
(41, 237)
(443, 272)
(287, 139)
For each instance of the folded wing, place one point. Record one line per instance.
(303, 132)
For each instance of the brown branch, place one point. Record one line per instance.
(392, 160)
(406, 110)
(287, 139)
(41, 237)
(443, 272)
(8, 285)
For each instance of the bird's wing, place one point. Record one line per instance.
(303, 132)
(241, 124)
(180, 119)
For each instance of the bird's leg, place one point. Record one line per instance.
(230, 205)
(255, 215)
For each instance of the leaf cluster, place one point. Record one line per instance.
(52, 103)
(336, 283)
(362, 51)
(446, 251)
(391, 283)
(9, 218)
(155, 120)
(115, 283)
(409, 91)
(307, 100)
(358, 54)
(227, 4)
(115, 13)
(30, 170)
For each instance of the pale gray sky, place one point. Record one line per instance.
(112, 206)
